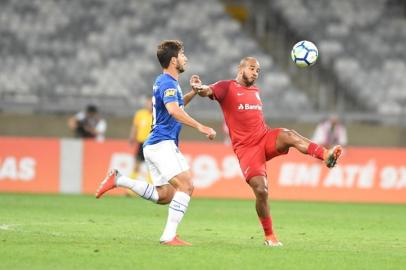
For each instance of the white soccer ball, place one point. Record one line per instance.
(304, 53)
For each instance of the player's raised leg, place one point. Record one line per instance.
(290, 138)
(115, 179)
(108, 183)
(259, 185)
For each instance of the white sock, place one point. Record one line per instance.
(177, 209)
(142, 188)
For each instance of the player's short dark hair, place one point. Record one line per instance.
(168, 49)
(91, 108)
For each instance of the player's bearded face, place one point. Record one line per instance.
(180, 67)
(181, 62)
(247, 78)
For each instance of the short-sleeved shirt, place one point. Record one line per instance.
(242, 109)
(164, 127)
(253, 141)
(142, 121)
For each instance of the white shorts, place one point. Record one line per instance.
(164, 161)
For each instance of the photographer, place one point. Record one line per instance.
(88, 124)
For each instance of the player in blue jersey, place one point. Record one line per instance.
(172, 181)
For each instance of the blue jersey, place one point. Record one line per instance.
(164, 127)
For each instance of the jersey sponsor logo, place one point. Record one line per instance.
(247, 106)
(240, 94)
(170, 93)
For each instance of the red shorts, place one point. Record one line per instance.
(253, 158)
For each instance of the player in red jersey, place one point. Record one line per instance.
(253, 141)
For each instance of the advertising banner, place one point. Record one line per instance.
(29, 165)
(362, 175)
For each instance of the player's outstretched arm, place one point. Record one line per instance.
(199, 88)
(188, 97)
(203, 90)
(194, 80)
(180, 115)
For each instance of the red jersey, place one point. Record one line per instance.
(242, 109)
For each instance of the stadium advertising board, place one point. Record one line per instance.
(29, 165)
(363, 174)
(98, 158)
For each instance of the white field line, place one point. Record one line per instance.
(7, 227)
(20, 229)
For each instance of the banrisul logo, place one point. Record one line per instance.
(247, 106)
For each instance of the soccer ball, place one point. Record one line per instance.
(304, 53)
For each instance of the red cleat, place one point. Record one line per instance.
(333, 155)
(108, 183)
(175, 242)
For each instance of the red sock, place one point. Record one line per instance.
(266, 225)
(316, 151)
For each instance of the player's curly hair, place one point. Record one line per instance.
(168, 49)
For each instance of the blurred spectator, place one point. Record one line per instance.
(140, 129)
(330, 132)
(88, 124)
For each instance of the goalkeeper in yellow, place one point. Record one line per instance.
(140, 129)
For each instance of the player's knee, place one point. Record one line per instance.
(261, 192)
(262, 195)
(288, 133)
(289, 136)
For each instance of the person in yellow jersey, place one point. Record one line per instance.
(140, 129)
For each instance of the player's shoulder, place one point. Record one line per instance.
(165, 82)
(255, 88)
(224, 84)
(227, 82)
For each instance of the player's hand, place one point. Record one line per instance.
(203, 90)
(210, 133)
(195, 82)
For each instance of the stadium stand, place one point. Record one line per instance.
(362, 42)
(59, 55)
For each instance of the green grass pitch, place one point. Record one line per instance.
(80, 232)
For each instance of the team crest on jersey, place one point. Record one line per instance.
(170, 93)
(257, 95)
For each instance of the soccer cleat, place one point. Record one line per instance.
(108, 183)
(333, 155)
(272, 241)
(175, 242)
